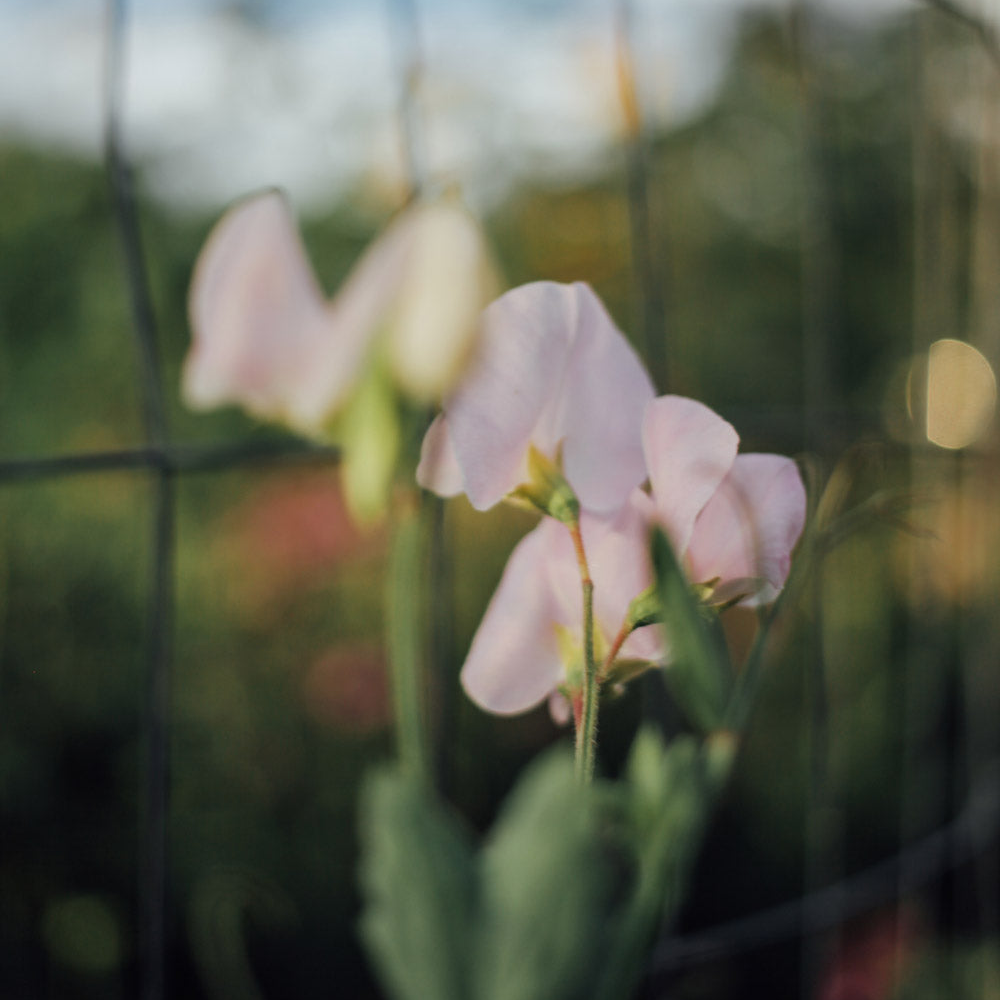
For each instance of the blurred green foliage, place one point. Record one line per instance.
(780, 221)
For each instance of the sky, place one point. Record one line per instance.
(225, 98)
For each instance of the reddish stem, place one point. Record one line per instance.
(623, 633)
(581, 555)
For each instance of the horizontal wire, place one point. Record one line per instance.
(975, 829)
(172, 458)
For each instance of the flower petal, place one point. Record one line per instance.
(491, 416)
(597, 410)
(619, 563)
(750, 526)
(448, 280)
(355, 318)
(617, 550)
(256, 310)
(560, 710)
(438, 470)
(689, 450)
(514, 661)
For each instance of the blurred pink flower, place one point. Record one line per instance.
(347, 688)
(873, 958)
(265, 337)
(552, 372)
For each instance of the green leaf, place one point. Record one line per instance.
(548, 879)
(668, 804)
(669, 798)
(418, 883)
(699, 673)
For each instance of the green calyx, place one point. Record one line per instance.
(547, 489)
(369, 432)
(645, 609)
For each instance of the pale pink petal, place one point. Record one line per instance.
(493, 413)
(256, 310)
(438, 470)
(689, 450)
(355, 318)
(617, 550)
(597, 410)
(619, 563)
(514, 662)
(563, 571)
(621, 568)
(449, 278)
(560, 710)
(750, 526)
(647, 643)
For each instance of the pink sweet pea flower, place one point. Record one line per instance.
(552, 372)
(265, 337)
(733, 519)
(529, 644)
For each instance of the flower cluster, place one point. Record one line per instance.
(543, 400)
(557, 404)
(402, 325)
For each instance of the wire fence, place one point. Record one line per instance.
(832, 897)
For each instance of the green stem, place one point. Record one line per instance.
(586, 723)
(404, 621)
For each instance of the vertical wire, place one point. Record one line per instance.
(152, 875)
(404, 28)
(650, 280)
(977, 648)
(648, 264)
(123, 197)
(921, 695)
(822, 834)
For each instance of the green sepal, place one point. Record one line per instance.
(547, 488)
(626, 669)
(699, 673)
(645, 609)
(368, 431)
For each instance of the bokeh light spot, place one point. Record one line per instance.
(952, 392)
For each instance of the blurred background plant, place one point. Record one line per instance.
(811, 225)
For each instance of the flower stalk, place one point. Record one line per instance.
(623, 633)
(404, 615)
(586, 719)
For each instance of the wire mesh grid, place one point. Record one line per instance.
(832, 897)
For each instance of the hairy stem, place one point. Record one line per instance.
(586, 728)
